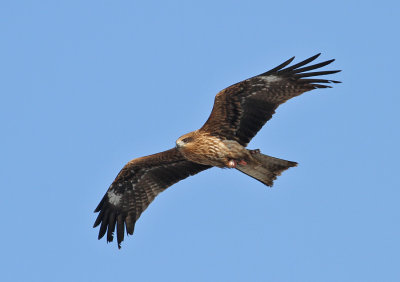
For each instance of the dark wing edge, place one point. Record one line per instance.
(241, 110)
(136, 186)
(298, 73)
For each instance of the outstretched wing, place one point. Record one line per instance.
(136, 186)
(242, 109)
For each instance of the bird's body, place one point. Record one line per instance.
(203, 148)
(239, 112)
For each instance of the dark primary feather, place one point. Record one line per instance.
(136, 186)
(242, 109)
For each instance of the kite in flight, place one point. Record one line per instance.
(238, 114)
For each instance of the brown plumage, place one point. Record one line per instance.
(238, 114)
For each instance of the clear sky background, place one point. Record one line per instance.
(88, 85)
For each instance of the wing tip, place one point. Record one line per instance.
(300, 69)
(110, 219)
(109, 228)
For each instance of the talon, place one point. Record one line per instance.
(232, 164)
(256, 151)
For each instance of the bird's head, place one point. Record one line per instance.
(184, 139)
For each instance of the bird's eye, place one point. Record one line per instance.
(187, 139)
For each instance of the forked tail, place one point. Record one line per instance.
(265, 168)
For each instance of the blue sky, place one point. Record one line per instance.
(88, 85)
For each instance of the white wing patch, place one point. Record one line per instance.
(114, 198)
(270, 78)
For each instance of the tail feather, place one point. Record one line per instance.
(265, 168)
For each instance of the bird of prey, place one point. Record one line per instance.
(238, 114)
